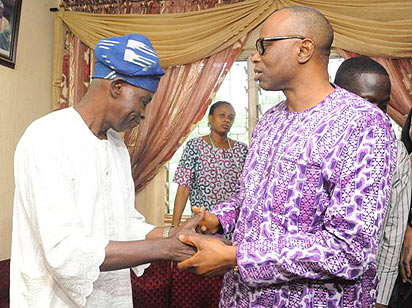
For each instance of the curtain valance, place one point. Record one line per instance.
(178, 38)
(369, 27)
(378, 28)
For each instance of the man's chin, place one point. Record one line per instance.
(268, 87)
(263, 86)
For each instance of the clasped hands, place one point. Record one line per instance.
(213, 256)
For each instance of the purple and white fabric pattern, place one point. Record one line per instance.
(211, 173)
(311, 203)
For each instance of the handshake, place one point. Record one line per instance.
(197, 250)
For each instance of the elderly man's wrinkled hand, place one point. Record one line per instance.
(179, 250)
(213, 256)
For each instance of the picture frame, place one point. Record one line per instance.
(10, 11)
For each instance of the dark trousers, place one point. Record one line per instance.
(401, 295)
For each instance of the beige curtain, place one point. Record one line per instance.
(370, 27)
(178, 38)
(379, 28)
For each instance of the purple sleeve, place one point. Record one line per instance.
(358, 177)
(228, 212)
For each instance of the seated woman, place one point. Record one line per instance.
(208, 173)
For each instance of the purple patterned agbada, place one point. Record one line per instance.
(312, 200)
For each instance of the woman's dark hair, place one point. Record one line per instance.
(405, 138)
(217, 104)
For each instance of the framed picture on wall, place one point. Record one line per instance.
(9, 29)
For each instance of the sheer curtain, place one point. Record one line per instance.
(400, 73)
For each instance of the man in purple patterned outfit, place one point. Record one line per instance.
(314, 188)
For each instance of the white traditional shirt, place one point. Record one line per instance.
(74, 193)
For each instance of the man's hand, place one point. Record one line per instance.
(180, 251)
(209, 224)
(406, 255)
(124, 254)
(213, 257)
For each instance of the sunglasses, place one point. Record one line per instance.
(260, 47)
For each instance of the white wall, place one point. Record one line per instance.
(24, 96)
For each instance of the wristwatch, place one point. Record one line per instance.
(166, 231)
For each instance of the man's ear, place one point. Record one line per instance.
(116, 87)
(306, 50)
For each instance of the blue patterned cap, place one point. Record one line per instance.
(131, 58)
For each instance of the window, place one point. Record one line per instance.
(233, 90)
